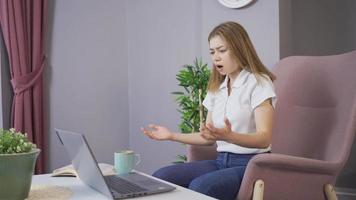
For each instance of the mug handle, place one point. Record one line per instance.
(138, 159)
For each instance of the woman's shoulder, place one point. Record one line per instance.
(259, 79)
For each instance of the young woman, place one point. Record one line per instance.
(240, 103)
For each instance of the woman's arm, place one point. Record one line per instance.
(260, 139)
(194, 139)
(162, 133)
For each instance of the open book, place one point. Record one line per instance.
(69, 171)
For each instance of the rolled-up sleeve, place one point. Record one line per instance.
(263, 90)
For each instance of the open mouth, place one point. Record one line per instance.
(219, 66)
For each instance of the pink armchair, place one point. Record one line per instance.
(314, 128)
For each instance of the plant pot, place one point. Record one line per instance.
(196, 153)
(16, 172)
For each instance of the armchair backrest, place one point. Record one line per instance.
(316, 107)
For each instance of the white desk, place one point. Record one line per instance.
(82, 191)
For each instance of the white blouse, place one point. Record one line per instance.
(246, 94)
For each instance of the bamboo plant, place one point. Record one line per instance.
(194, 80)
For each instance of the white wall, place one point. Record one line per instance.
(163, 36)
(87, 76)
(5, 87)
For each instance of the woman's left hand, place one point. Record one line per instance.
(221, 133)
(206, 133)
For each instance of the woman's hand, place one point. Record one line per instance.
(157, 132)
(220, 133)
(206, 133)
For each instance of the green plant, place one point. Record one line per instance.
(12, 142)
(194, 80)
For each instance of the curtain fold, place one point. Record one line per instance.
(23, 23)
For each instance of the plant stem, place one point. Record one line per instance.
(201, 108)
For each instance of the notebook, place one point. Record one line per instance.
(114, 186)
(69, 171)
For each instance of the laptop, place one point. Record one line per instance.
(115, 186)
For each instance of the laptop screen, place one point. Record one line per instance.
(83, 160)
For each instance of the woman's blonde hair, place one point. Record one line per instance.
(240, 45)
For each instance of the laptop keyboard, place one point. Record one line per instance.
(123, 186)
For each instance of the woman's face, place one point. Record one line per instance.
(222, 57)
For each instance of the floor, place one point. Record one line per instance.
(345, 194)
(343, 197)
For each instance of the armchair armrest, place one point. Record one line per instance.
(297, 177)
(287, 162)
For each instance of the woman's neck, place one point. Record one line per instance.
(232, 76)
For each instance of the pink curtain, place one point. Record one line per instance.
(23, 24)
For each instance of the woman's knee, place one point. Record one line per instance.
(201, 185)
(208, 188)
(168, 173)
(173, 174)
(216, 186)
(163, 173)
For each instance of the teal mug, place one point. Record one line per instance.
(125, 161)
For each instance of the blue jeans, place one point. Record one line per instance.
(220, 178)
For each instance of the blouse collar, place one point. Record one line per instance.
(240, 79)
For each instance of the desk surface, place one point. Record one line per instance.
(82, 191)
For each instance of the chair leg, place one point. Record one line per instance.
(258, 190)
(330, 192)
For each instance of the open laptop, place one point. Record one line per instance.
(116, 186)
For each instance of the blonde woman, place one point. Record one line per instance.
(240, 103)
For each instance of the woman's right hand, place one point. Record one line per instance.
(157, 132)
